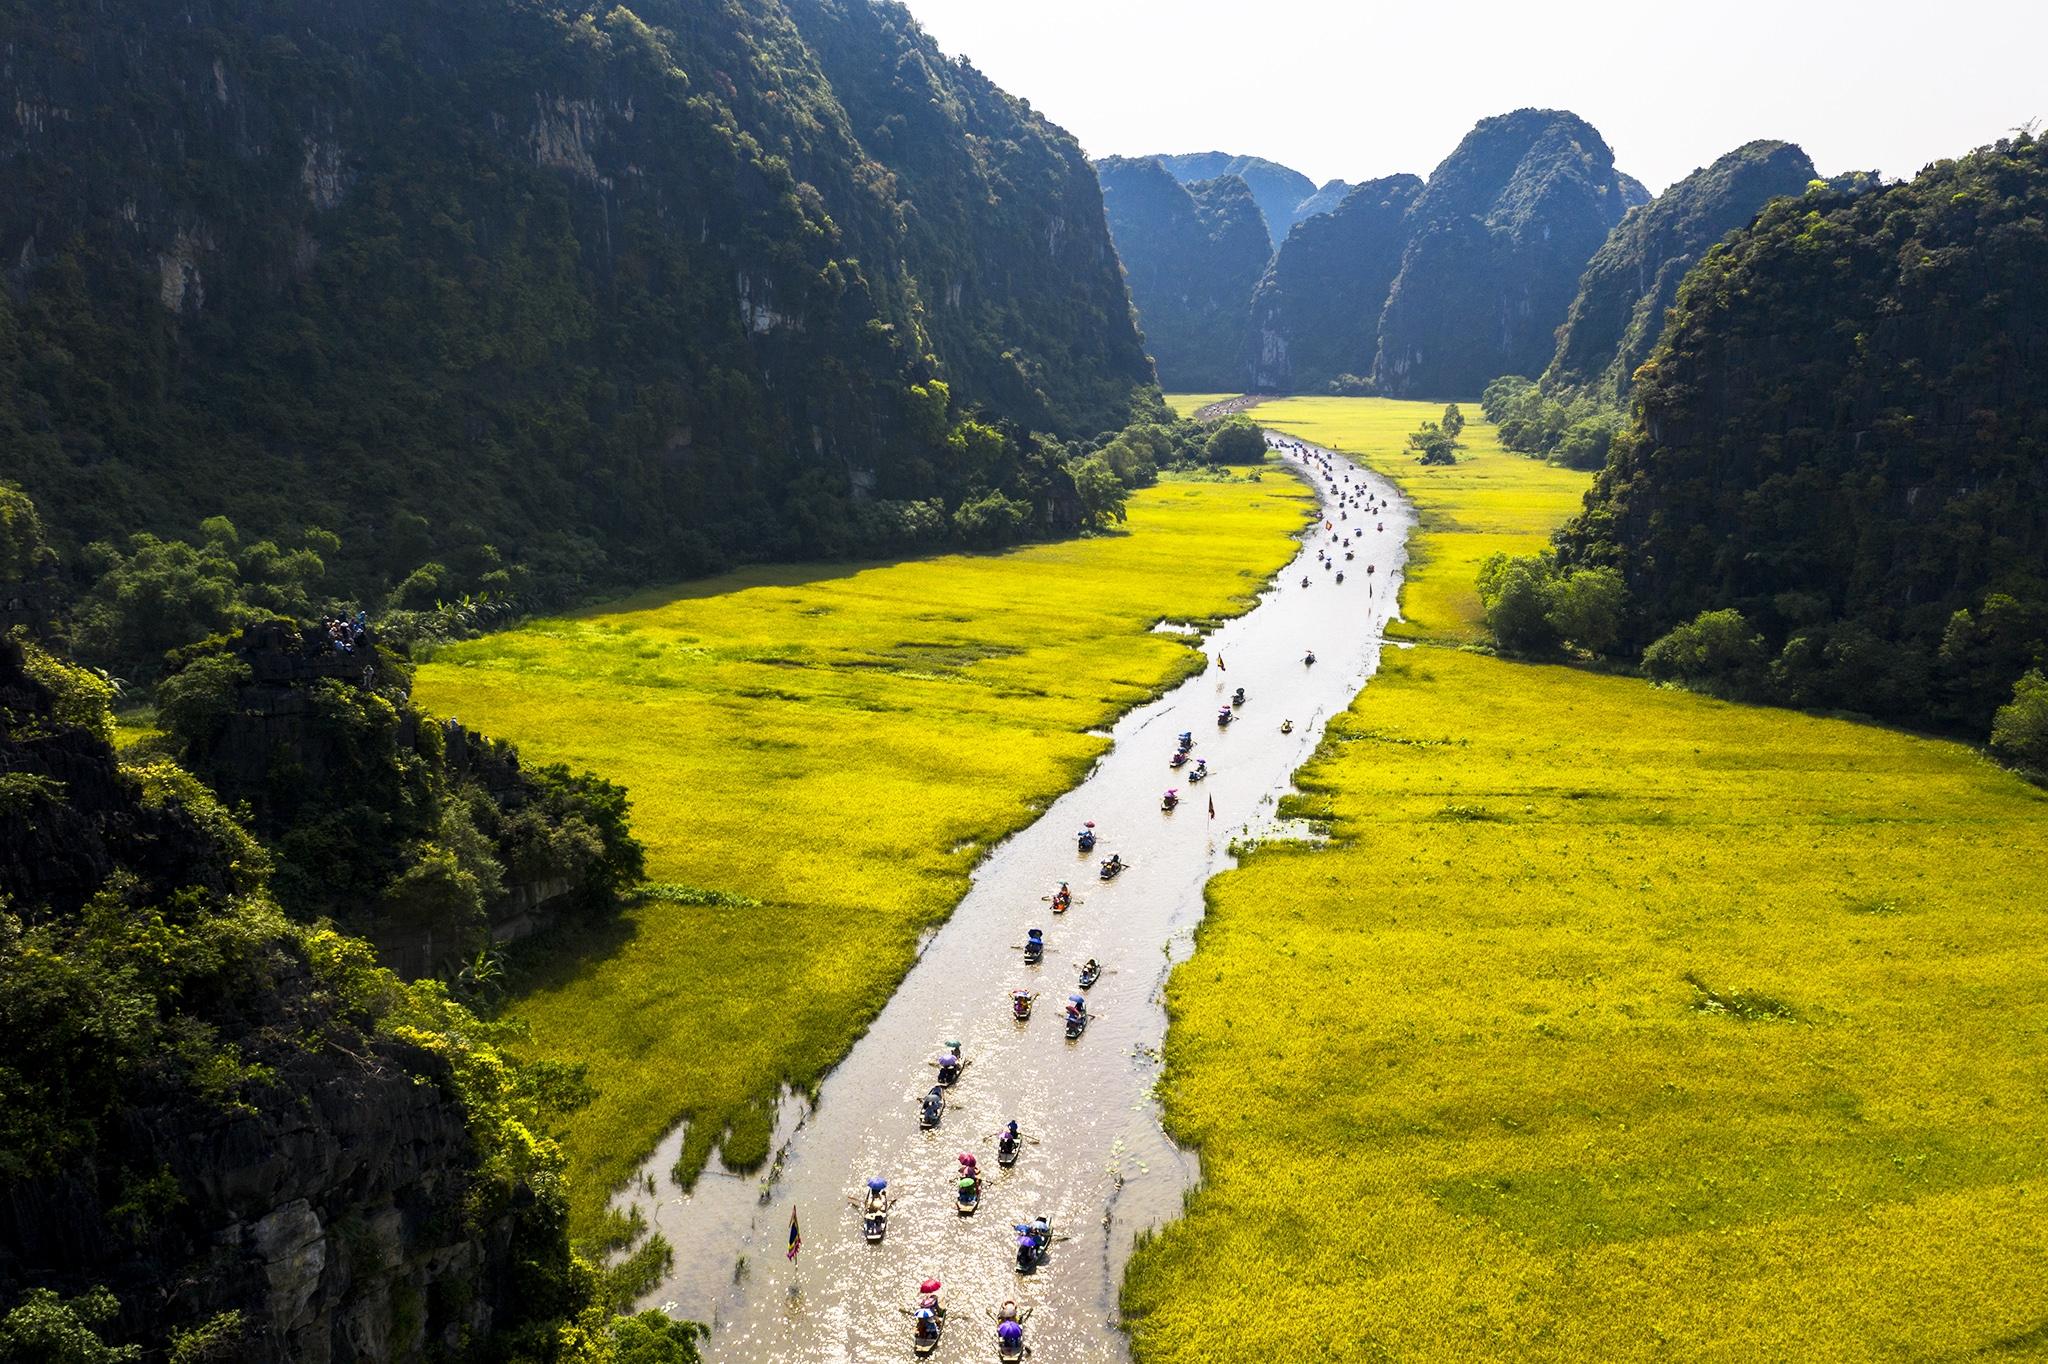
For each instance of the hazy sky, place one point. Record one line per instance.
(1365, 88)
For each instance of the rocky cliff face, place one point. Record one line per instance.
(1192, 255)
(608, 285)
(1316, 312)
(1497, 241)
(1633, 278)
(201, 1112)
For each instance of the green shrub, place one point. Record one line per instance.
(1236, 440)
(2019, 732)
(1533, 607)
(46, 1329)
(1716, 651)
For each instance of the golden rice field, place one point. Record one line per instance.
(819, 755)
(1188, 404)
(1615, 1023)
(1492, 500)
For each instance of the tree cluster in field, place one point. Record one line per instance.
(613, 297)
(1829, 491)
(150, 990)
(1576, 430)
(1437, 442)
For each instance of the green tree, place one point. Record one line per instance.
(1716, 651)
(1432, 445)
(2019, 732)
(1101, 492)
(1585, 607)
(1586, 443)
(1236, 440)
(1453, 422)
(46, 1329)
(1515, 594)
(25, 553)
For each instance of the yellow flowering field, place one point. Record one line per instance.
(1614, 1023)
(819, 755)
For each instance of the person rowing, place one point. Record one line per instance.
(1113, 867)
(1287, 726)
(1062, 898)
(1308, 659)
(1170, 800)
(1020, 1005)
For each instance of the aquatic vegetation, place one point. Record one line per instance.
(816, 757)
(1615, 1022)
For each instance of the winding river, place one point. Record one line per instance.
(1098, 1163)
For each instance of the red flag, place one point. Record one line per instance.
(796, 1239)
(1212, 807)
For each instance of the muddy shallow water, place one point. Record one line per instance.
(1099, 1164)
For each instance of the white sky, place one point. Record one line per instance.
(1367, 88)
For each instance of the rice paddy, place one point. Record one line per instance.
(1614, 1022)
(816, 757)
(1188, 404)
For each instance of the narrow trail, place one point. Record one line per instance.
(1097, 1162)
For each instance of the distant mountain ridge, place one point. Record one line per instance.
(1280, 190)
(1497, 241)
(1315, 315)
(1633, 278)
(1192, 253)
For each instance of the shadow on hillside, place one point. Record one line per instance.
(804, 574)
(551, 960)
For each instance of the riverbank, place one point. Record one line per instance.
(1613, 1022)
(817, 758)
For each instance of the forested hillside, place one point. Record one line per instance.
(1843, 437)
(1192, 255)
(1497, 241)
(227, 1136)
(1316, 314)
(1633, 278)
(620, 294)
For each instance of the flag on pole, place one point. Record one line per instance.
(796, 1238)
(1212, 807)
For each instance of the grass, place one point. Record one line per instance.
(1615, 1023)
(817, 757)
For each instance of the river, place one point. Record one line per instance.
(1098, 1163)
